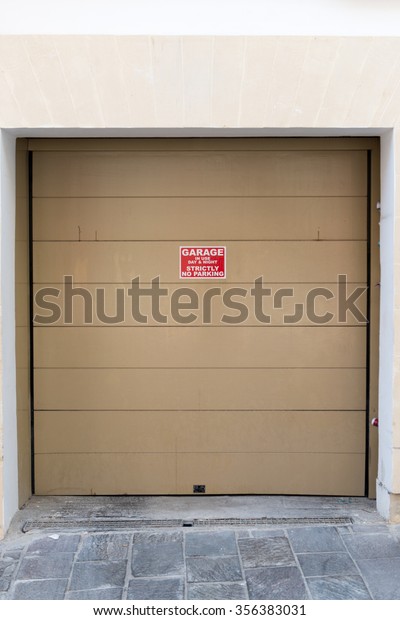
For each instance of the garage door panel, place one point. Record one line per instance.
(279, 261)
(68, 432)
(142, 219)
(307, 474)
(272, 431)
(122, 347)
(280, 173)
(321, 305)
(105, 474)
(200, 389)
(89, 432)
(226, 473)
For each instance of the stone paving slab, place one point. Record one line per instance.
(261, 533)
(395, 531)
(309, 539)
(110, 547)
(214, 569)
(382, 577)
(321, 564)
(103, 594)
(7, 570)
(217, 591)
(369, 546)
(89, 575)
(54, 544)
(12, 555)
(361, 528)
(276, 583)
(260, 552)
(210, 543)
(157, 555)
(338, 588)
(170, 588)
(41, 589)
(51, 566)
(324, 562)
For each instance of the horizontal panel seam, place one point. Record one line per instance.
(191, 452)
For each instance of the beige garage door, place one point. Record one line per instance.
(147, 383)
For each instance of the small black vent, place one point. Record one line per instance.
(199, 488)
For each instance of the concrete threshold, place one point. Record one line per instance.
(84, 512)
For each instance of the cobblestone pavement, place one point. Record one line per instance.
(359, 561)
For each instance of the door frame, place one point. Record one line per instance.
(24, 212)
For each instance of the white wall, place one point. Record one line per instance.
(386, 375)
(7, 326)
(198, 17)
(90, 86)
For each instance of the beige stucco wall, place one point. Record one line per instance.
(114, 81)
(198, 84)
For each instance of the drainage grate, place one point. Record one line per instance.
(133, 524)
(99, 524)
(275, 521)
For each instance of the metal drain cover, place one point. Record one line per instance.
(265, 521)
(133, 524)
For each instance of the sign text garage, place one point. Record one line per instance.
(202, 262)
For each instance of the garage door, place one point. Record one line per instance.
(149, 379)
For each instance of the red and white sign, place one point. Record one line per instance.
(202, 262)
